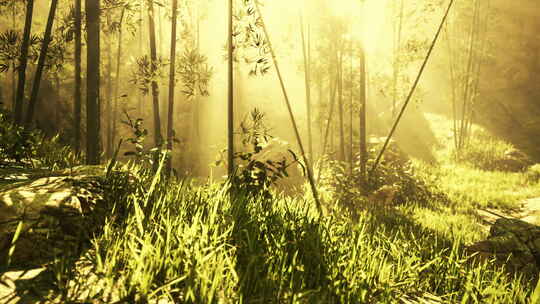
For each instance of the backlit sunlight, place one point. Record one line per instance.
(368, 19)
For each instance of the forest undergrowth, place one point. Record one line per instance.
(180, 241)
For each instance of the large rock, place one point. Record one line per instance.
(512, 242)
(53, 212)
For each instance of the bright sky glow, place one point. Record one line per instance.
(368, 18)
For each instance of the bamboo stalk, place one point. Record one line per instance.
(328, 124)
(307, 78)
(453, 89)
(291, 115)
(397, 49)
(413, 88)
(351, 147)
(117, 85)
(230, 101)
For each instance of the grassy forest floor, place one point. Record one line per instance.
(183, 242)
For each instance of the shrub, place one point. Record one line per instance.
(394, 177)
(489, 153)
(264, 160)
(533, 173)
(32, 148)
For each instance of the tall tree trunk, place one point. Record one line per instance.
(117, 85)
(172, 82)
(453, 88)
(141, 31)
(161, 84)
(196, 140)
(397, 49)
(78, 81)
(307, 78)
(332, 88)
(341, 118)
(41, 65)
(2, 102)
(58, 101)
(351, 89)
(108, 115)
(155, 88)
(13, 70)
(230, 103)
(92, 82)
(23, 60)
(363, 123)
(332, 91)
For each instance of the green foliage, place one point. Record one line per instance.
(467, 181)
(147, 71)
(15, 143)
(395, 171)
(250, 44)
(485, 152)
(533, 173)
(264, 160)
(186, 244)
(195, 73)
(10, 49)
(32, 148)
(144, 156)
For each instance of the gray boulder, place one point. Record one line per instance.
(511, 242)
(54, 213)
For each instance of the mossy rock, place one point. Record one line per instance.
(512, 242)
(56, 212)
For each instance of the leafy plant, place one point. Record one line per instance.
(10, 47)
(194, 72)
(147, 71)
(16, 144)
(139, 133)
(264, 160)
(396, 172)
(32, 148)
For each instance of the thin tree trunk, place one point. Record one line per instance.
(397, 50)
(78, 81)
(363, 123)
(118, 79)
(172, 82)
(341, 117)
(13, 70)
(23, 61)
(351, 146)
(141, 38)
(155, 88)
(413, 88)
(307, 77)
(230, 104)
(196, 140)
(332, 100)
(108, 115)
(466, 93)
(58, 102)
(291, 115)
(41, 65)
(13, 88)
(162, 82)
(453, 89)
(92, 80)
(2, 102)
(476, 74)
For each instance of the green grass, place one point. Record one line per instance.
(191, 242)
(198, 244)
(465, 181)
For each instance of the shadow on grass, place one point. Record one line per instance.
(279, 254)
